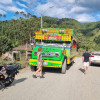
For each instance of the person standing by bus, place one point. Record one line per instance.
(39, 61)
(86, 60)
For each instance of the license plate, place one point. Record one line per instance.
(97, 61)
(45, 63)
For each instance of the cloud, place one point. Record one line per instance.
(2, 12)
(75, 12)
(85, 18)
(77, 9)
(6, 1)
(49, 10)
(70, 1)
(22, 5)
(81, 10)
(10, 6)
(14, 9)
(92, 5)
(31, 2)
(42, 8)
(98, 16)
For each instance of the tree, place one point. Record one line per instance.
(0, 16)
(29, 15)
(25, 15)
(97, 40)
(22, 12)
(0, 19)
(5, 44)
(33, 16)
(17, 13)
(4, 15)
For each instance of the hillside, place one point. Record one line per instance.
(18, 32)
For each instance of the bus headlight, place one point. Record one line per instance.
(57, 54)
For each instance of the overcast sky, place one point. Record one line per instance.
(81, 10)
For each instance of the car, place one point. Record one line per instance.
(95, 58)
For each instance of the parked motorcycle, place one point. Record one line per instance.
(7, 73)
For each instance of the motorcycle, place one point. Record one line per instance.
(7, 73)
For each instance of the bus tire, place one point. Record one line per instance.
(64, 65)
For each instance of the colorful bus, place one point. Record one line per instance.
(58, 48)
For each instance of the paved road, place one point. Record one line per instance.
(73, 85)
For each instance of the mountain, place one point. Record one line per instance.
(21, 30)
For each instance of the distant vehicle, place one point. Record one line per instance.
(95, 58)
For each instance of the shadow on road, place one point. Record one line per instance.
(2, 88)
(95, 65)
(18, 81)
(70, 65)
(82, 70)
(52, 70)
(56, 70)
(15, 82)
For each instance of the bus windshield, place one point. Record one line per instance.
(54, 43)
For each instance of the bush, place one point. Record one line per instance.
(22, 51)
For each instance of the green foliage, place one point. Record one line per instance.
(15, 44)
(19, 31)
(97, 40)
(5, 44)
(81, 50)
(22, 51)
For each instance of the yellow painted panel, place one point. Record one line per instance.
(45, 66)
(39, 36)
(73, 57)
(57, 31)
(62, 37)
(58, 62)
(32, 60)
(43, 37)
(52, 66)
(69, 31)
(68, 61)
(52, 30)
(35, 60)
(66, 52)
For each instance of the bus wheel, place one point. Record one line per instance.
(64, 65)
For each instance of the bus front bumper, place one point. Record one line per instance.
(46, 63)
